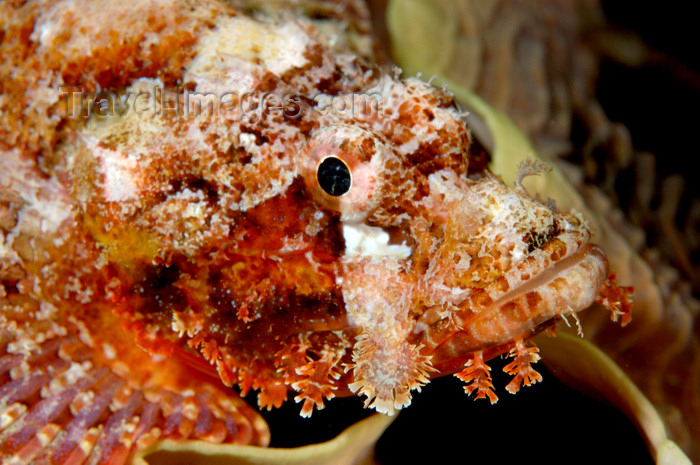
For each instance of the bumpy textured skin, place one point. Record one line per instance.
(149, 261)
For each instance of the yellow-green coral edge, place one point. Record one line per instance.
(353, 446)
(510, 147)
(418, 23)
(595, 372)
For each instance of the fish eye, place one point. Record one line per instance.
(343, 170)
(334, 176)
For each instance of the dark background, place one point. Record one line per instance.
(659, 102)
(544, 423)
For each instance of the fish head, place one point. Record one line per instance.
(321, 230)
(440, 262)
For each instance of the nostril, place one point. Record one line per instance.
(536, 239)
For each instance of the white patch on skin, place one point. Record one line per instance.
(370, 241)
(274, 48)
(120, 171)
(247, 141)
(109, 351)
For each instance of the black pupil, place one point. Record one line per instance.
(334, 176)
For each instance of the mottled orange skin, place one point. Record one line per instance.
(150, 261)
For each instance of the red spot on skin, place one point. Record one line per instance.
(481, 299)
(511, 311)
(559, 250)
(532, 299)
(558, 284)
(503, 285)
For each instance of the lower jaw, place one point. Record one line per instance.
(567, 287)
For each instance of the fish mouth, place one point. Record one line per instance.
(556, 259)
(560, 278)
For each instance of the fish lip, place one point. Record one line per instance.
(560, 253)
(557, 267)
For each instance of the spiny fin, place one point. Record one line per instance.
(59, 407)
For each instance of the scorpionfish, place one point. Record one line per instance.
(198, 198)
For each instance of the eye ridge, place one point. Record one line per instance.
(334, 176)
